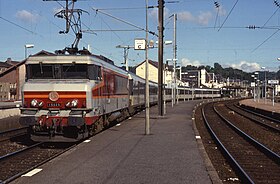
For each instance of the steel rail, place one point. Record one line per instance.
(272, 155)
(37, 165)
(243, 175)
(254, 120)
(7, 134)
(258, 114)
(19, 151)
(11, 130)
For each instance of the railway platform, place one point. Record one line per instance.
(124, 154)
(262, 104)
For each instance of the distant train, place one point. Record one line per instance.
(76, 96)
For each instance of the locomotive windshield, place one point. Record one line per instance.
(63, 71)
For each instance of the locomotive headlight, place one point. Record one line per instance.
(40, 104)
(34, 103)
(74, 103)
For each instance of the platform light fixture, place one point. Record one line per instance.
(27, 46)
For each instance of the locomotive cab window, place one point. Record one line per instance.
(39, 71)
(63, 71)
(74, 71)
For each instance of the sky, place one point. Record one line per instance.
(206, 34)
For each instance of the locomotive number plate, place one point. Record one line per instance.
(54, 104)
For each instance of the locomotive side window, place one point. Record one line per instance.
(121, 85)
(94, 72)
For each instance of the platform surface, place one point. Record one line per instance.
(262, 104)
(125, 155)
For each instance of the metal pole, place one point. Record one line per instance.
(25, 48)
(147, 116)
(164, 93)
(265, 87)
(125, 58)
(273, 95)
(160, 55)
(254, 92)
(175, 55)
(174, 82)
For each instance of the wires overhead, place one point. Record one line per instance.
(123, 21)
(266, 40)
(21, 27)
(228, 15)
(217, 5)
(277, 4)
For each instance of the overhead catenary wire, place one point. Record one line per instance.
(271, 17)
(123, 21)
(266, 40)
(21, 27)
(228, 15)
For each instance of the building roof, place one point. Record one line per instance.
(8, 63)
(44, 53)
(155, 64)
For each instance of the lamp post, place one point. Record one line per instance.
(258, 91)
(264, 84)
(254, 93)
(27, 46)
(147, 100)
(173, 82)
(125, 54)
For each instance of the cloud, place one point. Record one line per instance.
(185, 16)
(186, 62)
(246, 66)
(27, 16)
(154, 13)
(203, 18)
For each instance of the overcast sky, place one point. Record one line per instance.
(205, 33)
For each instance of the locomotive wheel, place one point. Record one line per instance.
(106, 122)
(90, 129)
(98, 125)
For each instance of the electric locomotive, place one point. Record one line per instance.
(72, 96)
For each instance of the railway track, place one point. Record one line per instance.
(14, 164)
(262, 120)
(5, 135)
(263, 130)
(252, 161)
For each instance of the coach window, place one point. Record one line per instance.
(94, 72)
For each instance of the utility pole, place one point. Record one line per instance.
(160, 56)
(147, 101)
(175, 55)
(125, 54)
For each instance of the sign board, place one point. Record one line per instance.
(139, 44)
(273, 81)
(253, 84)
